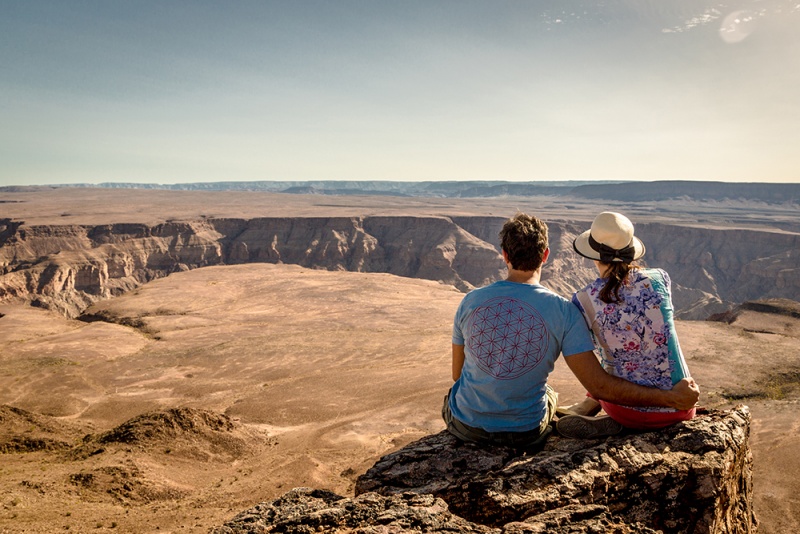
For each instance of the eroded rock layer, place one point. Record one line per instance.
(68, 268)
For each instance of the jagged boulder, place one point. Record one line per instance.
(695, 476)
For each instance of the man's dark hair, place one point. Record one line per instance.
(524, 238)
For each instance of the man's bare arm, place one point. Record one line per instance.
(458, 360)
(603, 386)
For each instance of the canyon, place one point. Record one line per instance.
(235, 345)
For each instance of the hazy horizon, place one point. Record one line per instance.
(345, 182)
(191, 92)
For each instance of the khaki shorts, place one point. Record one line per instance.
(530, 439)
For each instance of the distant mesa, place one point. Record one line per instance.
(301, 190)
(700, 191)
(630, 191)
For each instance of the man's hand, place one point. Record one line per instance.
(603, 386)
(687, 392)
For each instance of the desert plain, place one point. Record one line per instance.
(313, 374)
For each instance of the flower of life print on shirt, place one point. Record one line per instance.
(507, 337)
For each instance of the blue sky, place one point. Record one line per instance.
(179, 91)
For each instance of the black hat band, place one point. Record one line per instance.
(608, 254)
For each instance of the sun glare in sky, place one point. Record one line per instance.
(194, 91)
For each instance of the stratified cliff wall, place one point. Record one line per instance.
(69, 267)
(715, 269)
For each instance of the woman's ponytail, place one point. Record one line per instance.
(616, 273)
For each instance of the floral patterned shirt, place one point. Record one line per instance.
(636, 337)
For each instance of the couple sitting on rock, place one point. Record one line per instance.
(508, 335)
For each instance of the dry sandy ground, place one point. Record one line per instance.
(105, 206)
(320, 372)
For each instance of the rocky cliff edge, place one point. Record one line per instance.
(695, 476)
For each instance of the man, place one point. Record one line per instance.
(506, 339)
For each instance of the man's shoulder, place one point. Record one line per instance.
(555, 306)
(547, 293)
(524, 292)
(480, 294)
(484, 290)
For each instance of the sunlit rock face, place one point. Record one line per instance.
(67, 268)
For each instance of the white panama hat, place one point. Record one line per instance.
(610, 240)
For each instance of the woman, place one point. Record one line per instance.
(629, 312)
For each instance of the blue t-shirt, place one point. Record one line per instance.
(512, 335)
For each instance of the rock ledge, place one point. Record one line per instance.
(695, 476)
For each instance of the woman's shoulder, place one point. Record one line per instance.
(591, 290)
(653, 273)
(592, 286)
